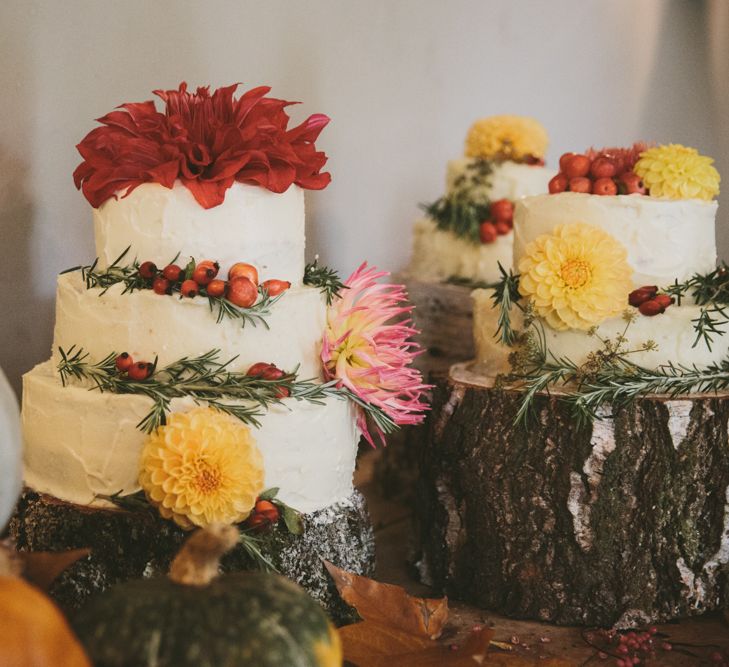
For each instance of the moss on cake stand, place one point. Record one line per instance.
(127, 545)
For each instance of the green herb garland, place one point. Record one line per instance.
(326, 279)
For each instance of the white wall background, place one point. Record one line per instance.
(401, 79)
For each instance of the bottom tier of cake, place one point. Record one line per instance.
(126, 545)
(81, 444)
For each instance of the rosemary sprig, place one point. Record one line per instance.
(207, 380)
(464, 208)
(128, 275)
(326, 279)
(506, 294)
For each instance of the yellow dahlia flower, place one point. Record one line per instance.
(678, 172)
(576, 277)
(202, 467)
(507, 138)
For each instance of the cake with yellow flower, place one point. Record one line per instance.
(622, 251)
(200, 370)
(468, 231)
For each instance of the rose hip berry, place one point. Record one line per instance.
(576, 166)
(580, 184)
(124, 362)
(629, 183)
(268, 510)
(243, 270)
(602, 167)
(242, 292)
(651, 308)
(161, 285)
(502, 210)
(642, 294)
(172, 272)
(216, 287)
(502, 228)
(203, 274)
(275, 287)
(604, 186)
(664, 300)
(487, 232)
(139, 371)
(564, 159)
(558, 184)
(189, 288)
(258, 369)
(147, 270)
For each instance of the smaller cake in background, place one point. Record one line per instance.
(468, 231)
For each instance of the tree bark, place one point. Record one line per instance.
(127, 545)
(622, 523)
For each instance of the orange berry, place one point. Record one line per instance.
(564, 159)
(275, 287)
(243, 270)
(124, 362)
(605, 187)
(148, 270)
(580, 184)
(502, 228)
(602, 167)
(502, 210)
(488, 232)
(161, 285)
(189, 288)
(139, 371)
(576, 166)
(267, 509)
(216, 287)
(172, 272)
(242, 292)
(558, 184)
(631, 184)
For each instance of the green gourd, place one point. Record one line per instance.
(198, 618)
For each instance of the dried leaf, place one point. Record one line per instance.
(42, 568)
(369, 644)
(390, 605)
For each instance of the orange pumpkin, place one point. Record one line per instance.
(34, 632)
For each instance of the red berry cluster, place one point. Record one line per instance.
(241, 288)
(134, 370)
(267, 371)
(500, 223)
(605, 174)
(648, 301)
(632, 648)
(265, 515)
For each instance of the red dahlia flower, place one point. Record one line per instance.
(207, 141)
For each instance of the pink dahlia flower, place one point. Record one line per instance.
(368, 347)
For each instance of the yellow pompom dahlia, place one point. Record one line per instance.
(202, 467)
(507, 138)
(678, 172)
(576, 277)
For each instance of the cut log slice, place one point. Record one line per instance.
(622, 523)
(127, 545)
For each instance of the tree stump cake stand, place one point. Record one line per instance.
(126, 545)
(622, 523)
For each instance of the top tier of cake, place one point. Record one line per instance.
(253, 225)
(665, 239)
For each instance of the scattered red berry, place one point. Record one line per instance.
(502, 210)
(242, 292)
(216, 287)
(161, 285)
(258, 369)
(488, 232)
(189, 288)
(173, 273)
(642, 294)
(148, 270)
(651, 308)
(629, 183)
(602, 167)
(283, 392)
(558, 184)
(604, 186)
(275, 287)
(502, 228)
(203, 274)
(272, 373)
(580, 184)
(243, 270)
(140, 370)
(664, 300)
(124, 362)
(576, 166)
(267, 509)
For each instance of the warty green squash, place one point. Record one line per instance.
(198, 618)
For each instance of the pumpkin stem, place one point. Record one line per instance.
(198, 560)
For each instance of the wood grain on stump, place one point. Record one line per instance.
(128, 545)
(624, 522)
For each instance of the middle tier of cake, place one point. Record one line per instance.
(167, 327)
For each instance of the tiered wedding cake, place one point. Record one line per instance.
(199, 359)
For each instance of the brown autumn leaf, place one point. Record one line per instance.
(369, 644)
(390, 605)
(42, 568)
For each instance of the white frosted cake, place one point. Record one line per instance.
(618, 262)
(195, 263)
(468, 232)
